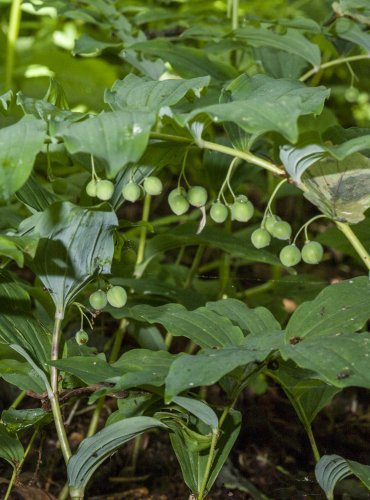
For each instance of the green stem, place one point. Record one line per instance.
(11, 483)
(227, 179)
(256, 290)
(355, 242)
(335, 62)
(18, 399)
(313, 444)
(61, 432)
(235, 16)
(195, 265)
(57, 332)
(243, 155)
(211, 457)
(143, 233)
(54, 401)
(13, 32)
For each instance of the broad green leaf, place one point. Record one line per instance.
(188, 62)
(338, 187)
(11, 448)
(332, 468)
(280, 64)
(350, 30)
(292, 41)
(204, 327)
(209, 365)
(201, 410)
(358, 9)
(40, 375)
(10, 250)
(90, 369)
(35, 196)
(139, 367)
(134, 405)
(142, 93)
(20, 374)
(339, 308)
(340, 359)
(308, 395)
(94, 450)
(76, 244)
(115, 138)
(19, 420)
(283, 102)
(17, 325)
(258, 320)
(87, 45)
(19, 145)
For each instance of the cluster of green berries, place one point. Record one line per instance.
(272, 226)
(180, 200)
(102, 189)
(241, 210)
(116, 296)
(152, 185)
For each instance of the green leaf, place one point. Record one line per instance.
(209, 365)
(342, 307)
(115, 138)
(258, 320)
(201, 410)
(283, 102)
(9, 249)
(94, 450)
(142, 93)
(35, 196)
(11, 448)
(340, 359)
(292, 41)
(204, 327)
(90, 369)
(19, 145)
(20, 374)
(338, 187)
(142, 367)
(6, 99)
(188, 62)
(38, 372)
(350, 30)
(307, 395)
(17, 325)
(76, 243)
(332, 468)
(87, 45)
(19, 420)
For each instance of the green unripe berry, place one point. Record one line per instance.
(270, 221)
(104, 190)
(260, 238)
(219, 212)
(117, 296)
(281, 230)
(131, 192)
(197, 196)
(98, 300)
(178, 204)
(91, 188)
(153, 185)
(290, 255)
(312, 252)
(81, 337)
(175, 192)
(242, 209)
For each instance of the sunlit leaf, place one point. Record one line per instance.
(19, 145)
